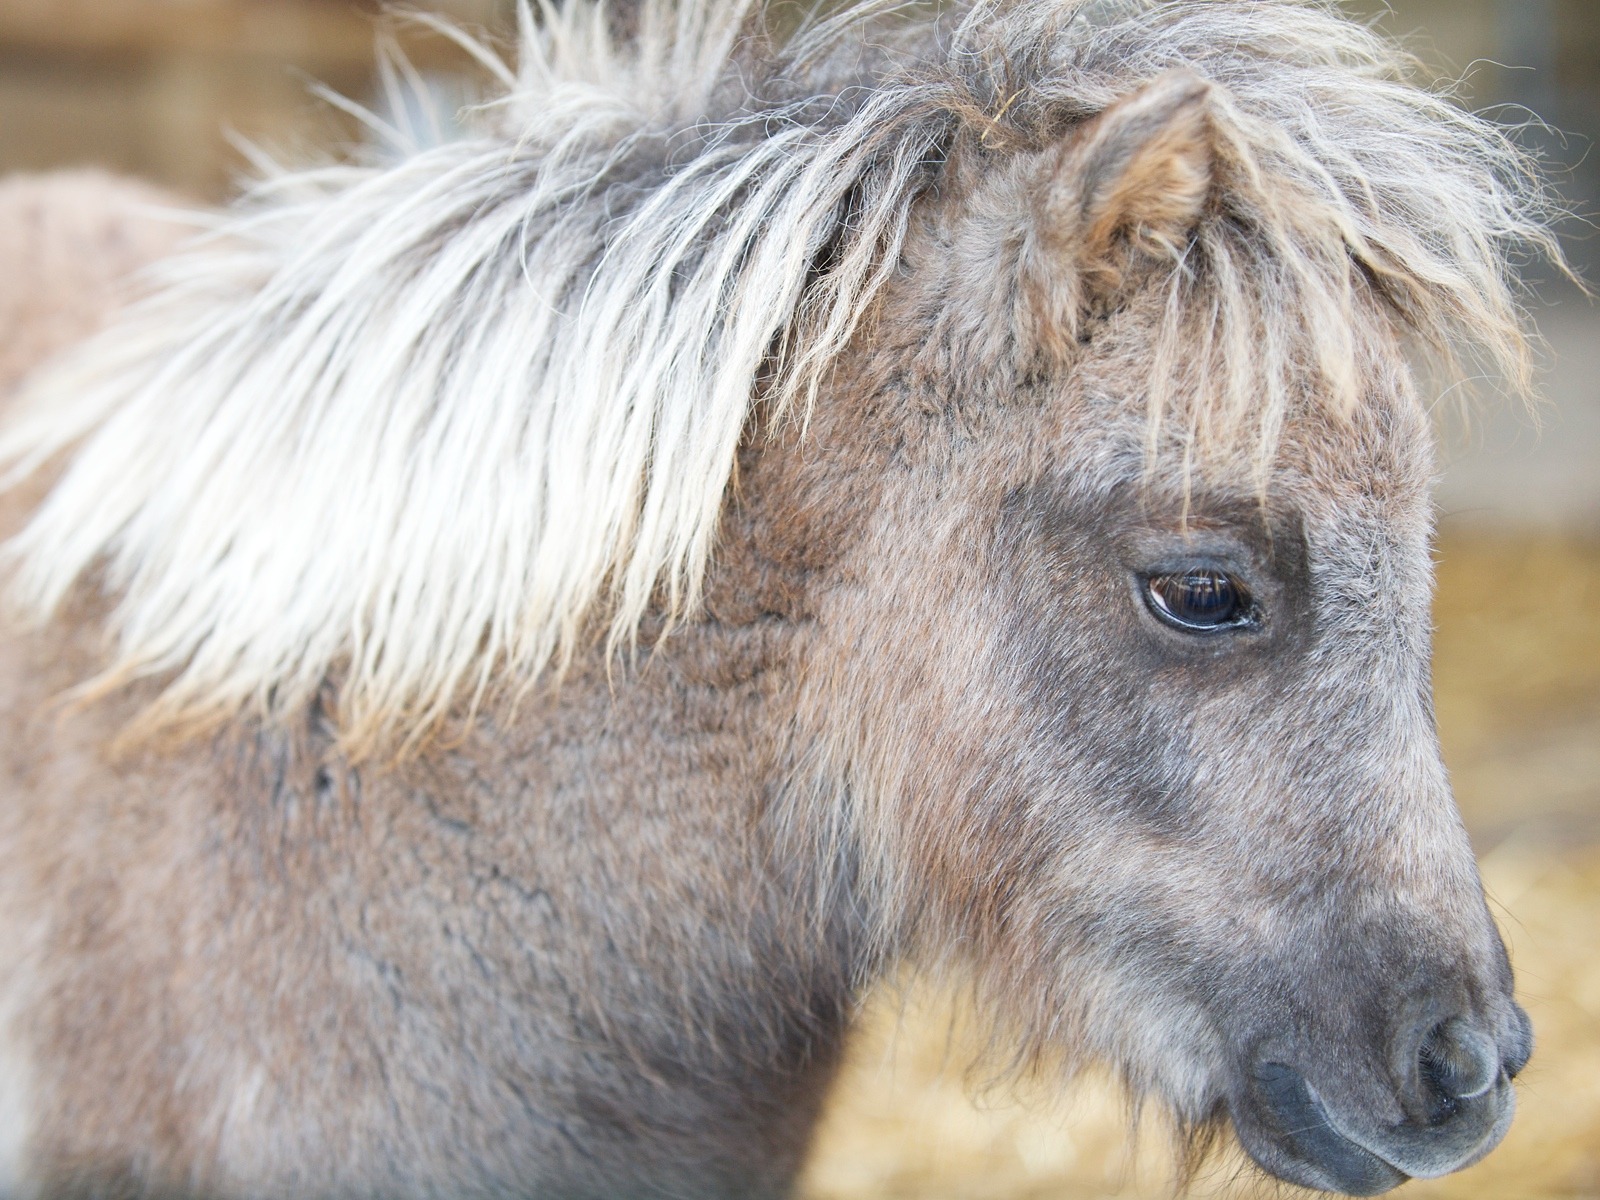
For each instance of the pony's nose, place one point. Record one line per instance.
(1456, 1061)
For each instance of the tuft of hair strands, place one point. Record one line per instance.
(431, 424)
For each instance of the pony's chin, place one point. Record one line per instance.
(1315, 1155)
(1287, 1131)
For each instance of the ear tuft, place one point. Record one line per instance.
(1126, 190)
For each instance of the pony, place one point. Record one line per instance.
(514, 633)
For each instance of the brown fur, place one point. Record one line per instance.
(325, 990)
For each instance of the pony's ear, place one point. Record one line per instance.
(1127, 190)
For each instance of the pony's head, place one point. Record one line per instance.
(1127, 673)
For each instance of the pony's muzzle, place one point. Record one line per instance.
(1455, 1091)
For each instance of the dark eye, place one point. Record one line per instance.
(1201, 600)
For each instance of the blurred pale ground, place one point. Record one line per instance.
(149, 86)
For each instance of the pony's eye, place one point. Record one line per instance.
(1201, 599)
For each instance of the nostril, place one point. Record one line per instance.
(1457, 1062)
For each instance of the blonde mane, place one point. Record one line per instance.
(434, 423)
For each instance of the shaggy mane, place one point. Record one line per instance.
(431, 424)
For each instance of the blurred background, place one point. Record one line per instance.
(161, 88)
